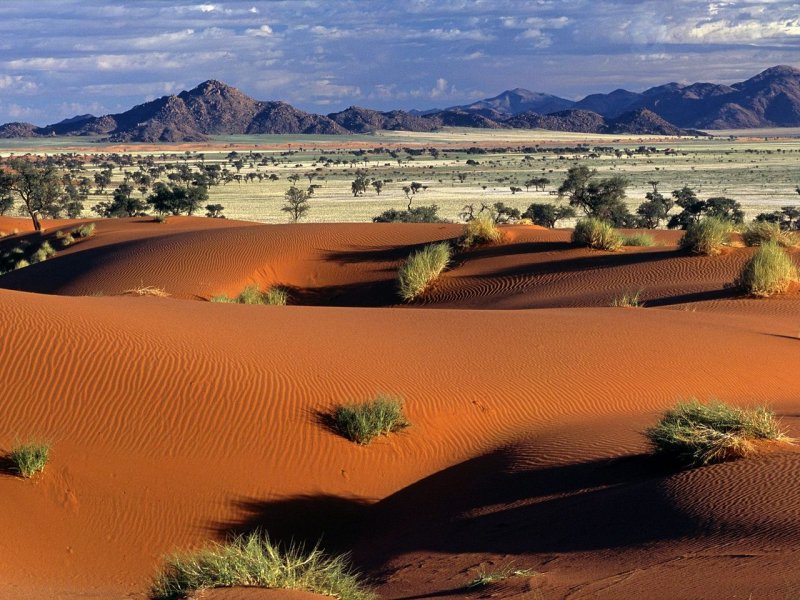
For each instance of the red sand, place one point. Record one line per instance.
(176, 421)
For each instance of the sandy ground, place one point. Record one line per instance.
(176, 421)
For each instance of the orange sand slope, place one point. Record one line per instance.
(176, 421)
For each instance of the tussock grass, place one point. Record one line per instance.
(29, 459)
(362, 423)
(422, 268)
(254, 560)
(160, 218)
(638, 239)
(21, 264)
(769, 271)
(707, 236)
(272, 296)
(44, 252)
(147, 290)
(629, 300)
(596, 234)
(694, 434)
(761, 232)
(480, 230)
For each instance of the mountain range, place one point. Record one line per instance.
(770, 99)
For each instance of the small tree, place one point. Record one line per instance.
(214, 211)
(378, 185)
(359, 185)
(296, 203)
(546, 215)
(655, 209)
(40, 187)
(603, 199)
(122, 204)
(177, 199)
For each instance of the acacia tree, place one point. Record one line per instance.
(601, 199)
(546, 215)
(40, 187)
(177, 199)
(359, 185)
(296, 203)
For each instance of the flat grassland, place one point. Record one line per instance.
(759, 168)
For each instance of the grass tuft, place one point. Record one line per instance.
(596, 234)
(147, 290)
(480, 230)
(362, 423)
(707, 236)
(485, 578)
(639, 239)
(422, 268)
(255, 561)
(694, 434)
(272, 296)
(628, 300)
(29, 459)
(769, 271)
(84, 231)
(761, 232)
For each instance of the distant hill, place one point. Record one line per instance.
(519, 100)
(770, 99)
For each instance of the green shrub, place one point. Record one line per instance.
(706, 236)
(596, 234)
(760, 232)
(255, 561)
(28, 459)
(769, 271)
(480, 230)
(21, 264)
(628, 299)
(422, 268)
(160, 218)
(694, 434)
(487, 578)
(638, 239)
(361, 423)
(275, 296)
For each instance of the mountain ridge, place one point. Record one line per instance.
(769, 99)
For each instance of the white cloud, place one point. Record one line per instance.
(263, 31)
(440, 88)
(17, 84)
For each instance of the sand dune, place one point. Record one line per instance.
(176, 421)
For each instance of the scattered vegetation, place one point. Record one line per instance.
(274, 296)
(254, 560)
(422, 268)
(760, 232)
(361, 423)
(707, 236)
(769, 271)
(416, 214)
(29, 459)
(628, 300)
(596, 234)
(480, 230)
(694, 434)
(84, 231)
(638, 239)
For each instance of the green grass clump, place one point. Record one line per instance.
(638, 239)
(28, 459)
(480, 230)
(422, 268)
(596, 234)
(21, 264)
(362, 423)
(769, 271)
(273, 296)
(761, 232)
(629, 300)
(44, 252)
(693, 434)
(84, 231)
(707, 236)
(255, 561)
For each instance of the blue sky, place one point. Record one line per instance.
(67, 57)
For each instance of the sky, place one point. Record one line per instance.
(67, 57)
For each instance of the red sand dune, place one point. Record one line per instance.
(175, 421)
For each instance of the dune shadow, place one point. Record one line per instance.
(690, 297)
(485, 506)
(7, 466)
(334, 523)
(360, 294)
(386, 254)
